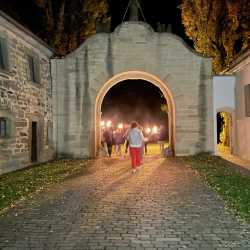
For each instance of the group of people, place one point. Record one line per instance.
(132, 138)
(110, 138)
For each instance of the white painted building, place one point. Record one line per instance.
(224, 100)
(231, 94)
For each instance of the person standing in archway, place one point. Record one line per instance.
(118, 141)
(145, 135)
(108, 137)
(135, 139)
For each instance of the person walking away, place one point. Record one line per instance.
(118, 141)
(161, 138)
(125, 137)
(135, 139)
(108, 137)
(104, 148)
(146, 140)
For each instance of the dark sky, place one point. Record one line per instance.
(25, 12)
(164, 11)
(134, 100)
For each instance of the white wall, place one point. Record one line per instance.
(223, 98)
(242, 148)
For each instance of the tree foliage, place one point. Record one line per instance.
(218, 28)
(164, 108)
(68, 23)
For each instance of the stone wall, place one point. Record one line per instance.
(133, 46)
(23, 101)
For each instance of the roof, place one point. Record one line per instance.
(239, 62)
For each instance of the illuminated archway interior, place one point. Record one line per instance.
(149, 79)
(141, 101)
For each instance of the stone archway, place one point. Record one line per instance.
(133, 75)
(132, 52)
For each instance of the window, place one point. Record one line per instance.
(3, 54)
(4, 127)
(34, 69)
(247, 99)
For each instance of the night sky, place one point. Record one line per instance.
(163, 11)
(25, 12)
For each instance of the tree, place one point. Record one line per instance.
(95, 12)
(164, 108)
(68, 23)
(218, 28)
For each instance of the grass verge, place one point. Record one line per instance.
(233, 187)
(20, 184)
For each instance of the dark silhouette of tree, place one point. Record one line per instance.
(68, 23)
(218, 28)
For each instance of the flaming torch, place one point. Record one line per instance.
(120, 126)
(108, 124)
(155, 130)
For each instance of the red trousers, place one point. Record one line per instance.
(135, 154)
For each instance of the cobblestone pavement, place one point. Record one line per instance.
(163, 206)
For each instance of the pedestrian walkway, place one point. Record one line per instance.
(163, 206)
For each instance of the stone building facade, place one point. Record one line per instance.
(132, 51)
(25, 97)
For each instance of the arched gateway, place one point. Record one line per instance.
(132, 51)
(134, 75)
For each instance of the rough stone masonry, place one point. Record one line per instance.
(23, 101)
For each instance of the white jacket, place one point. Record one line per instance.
(135, 138)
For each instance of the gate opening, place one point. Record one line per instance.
(224, 131)
(133, 75)
(135, 100)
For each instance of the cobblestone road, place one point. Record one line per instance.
(163, 206)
